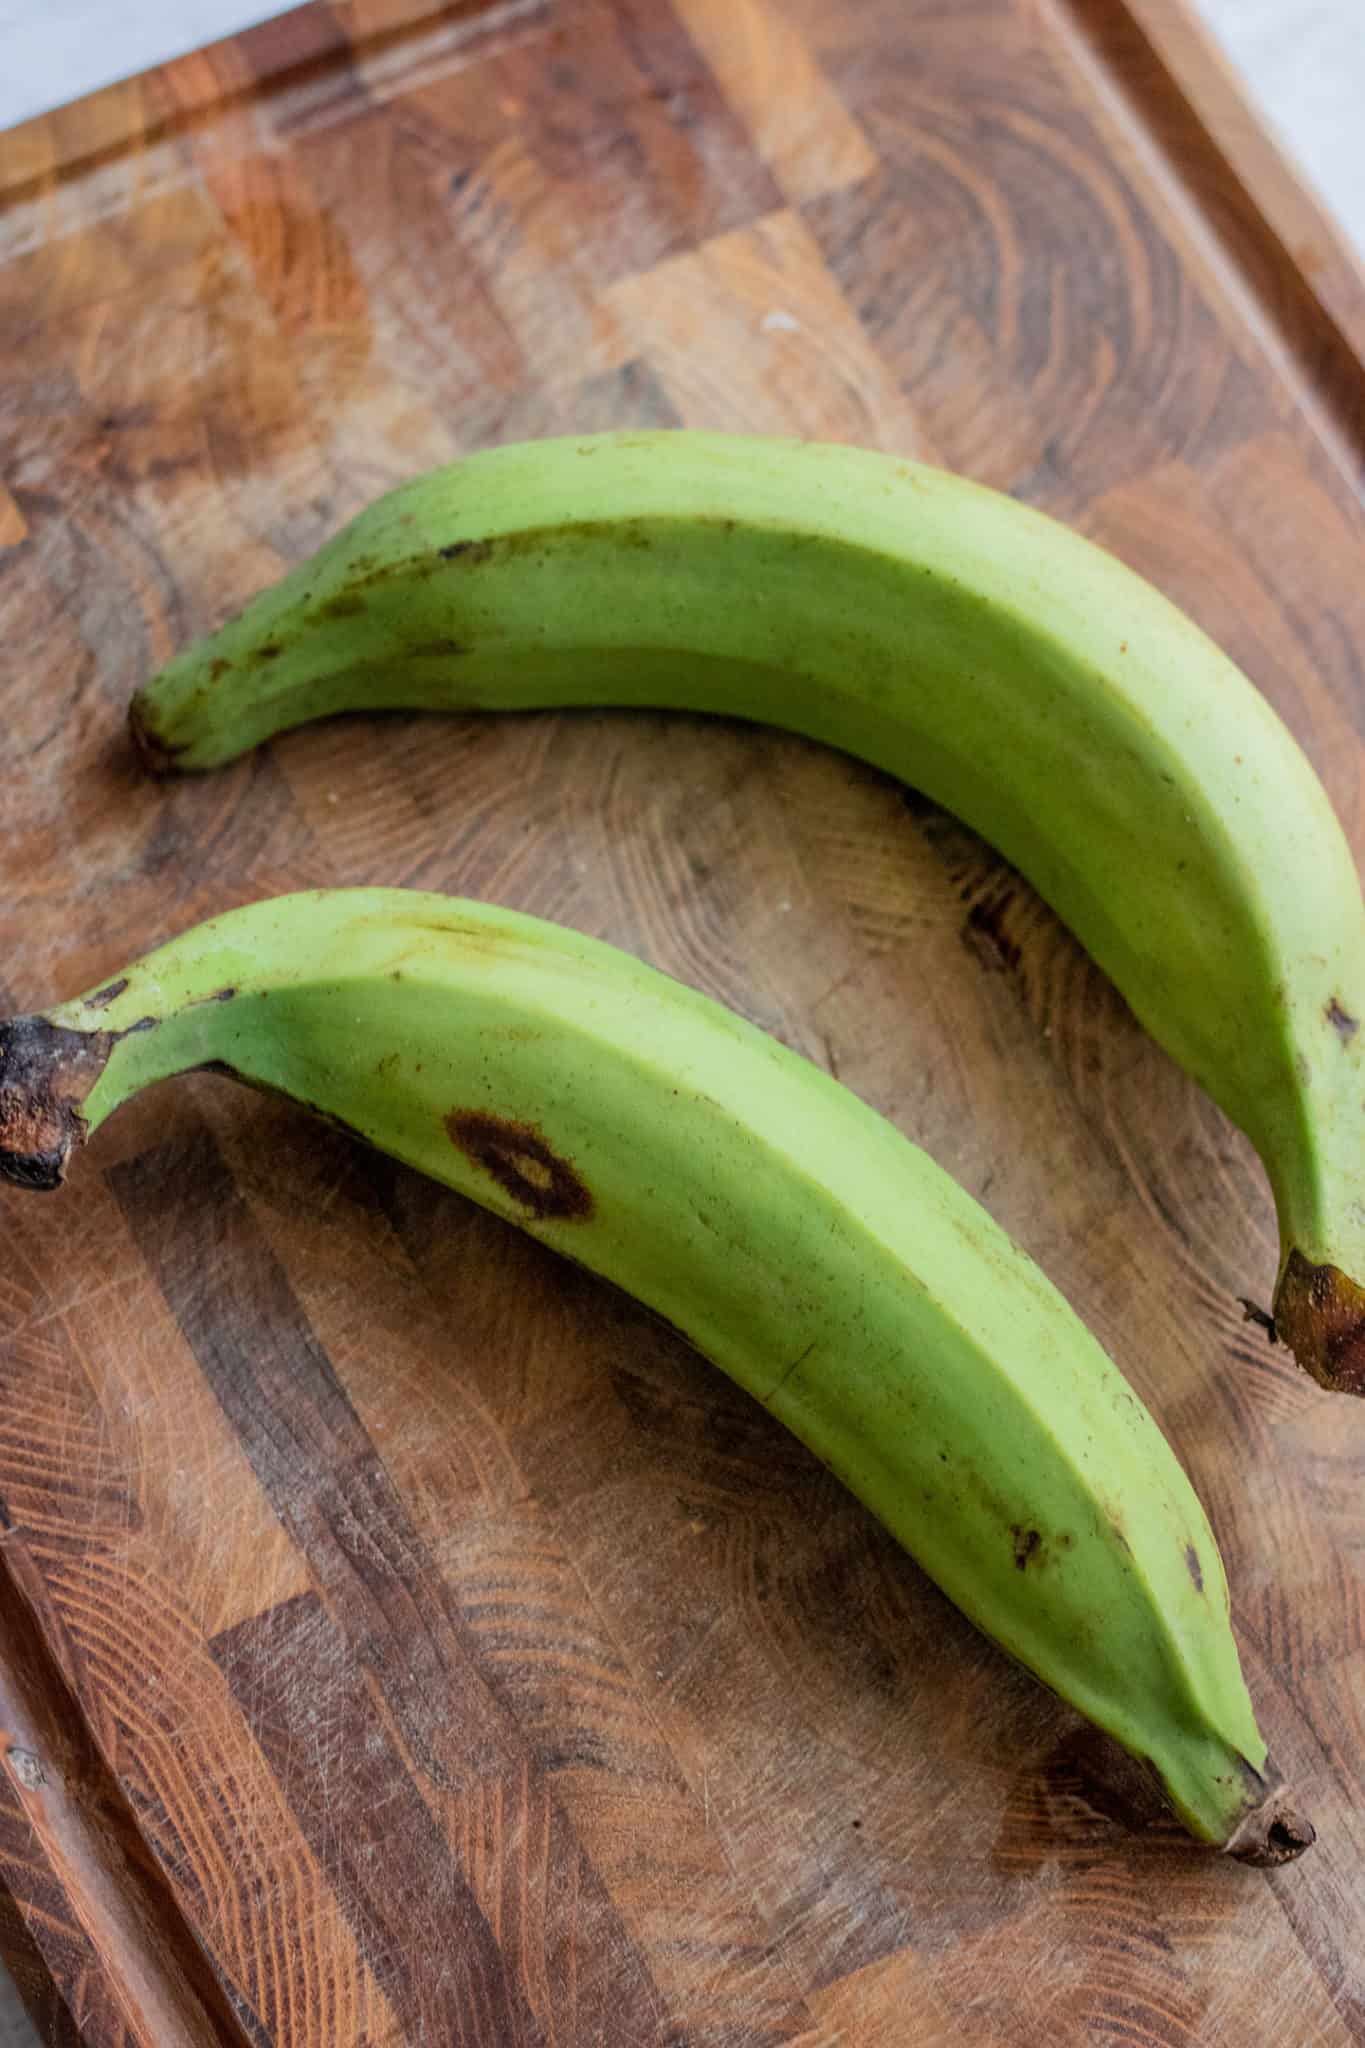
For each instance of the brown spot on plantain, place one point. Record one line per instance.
(1341, 1020)
(1320, 1315)
(104, 996)
(1194, 1568)
(1027, 1545)
(476, 937)
(467, 551)
(522, 1163)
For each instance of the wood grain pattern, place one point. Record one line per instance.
(402, 1637)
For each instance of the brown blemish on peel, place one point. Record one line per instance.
(522, 1164)
(218, 668)
(1341, 1020)
(347, 604)
(1320, 1315)
(104, 996)
(270, 652)
(1194, 1568)
(478, 937)
(1027, 1544)
(433, 648)
(467, 550)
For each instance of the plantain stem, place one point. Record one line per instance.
(46, 1072)
(1272, 1832)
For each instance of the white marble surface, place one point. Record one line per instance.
(1304, 59)
(1305, 62)
(16, 2029)
(55, 50)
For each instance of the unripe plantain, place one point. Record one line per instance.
(799, 1241)
(1013, 671)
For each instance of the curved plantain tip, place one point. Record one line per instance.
(1271, 1831)
(46, 1072)
(1320, 1315)
(157, 756)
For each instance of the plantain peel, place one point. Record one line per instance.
(797, 1239)
(1016, 673)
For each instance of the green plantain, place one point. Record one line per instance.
(1013, 671)
(794, 1236)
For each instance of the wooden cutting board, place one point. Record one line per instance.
(404, 1639)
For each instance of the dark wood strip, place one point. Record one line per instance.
(386, 1597)
(364, 1819)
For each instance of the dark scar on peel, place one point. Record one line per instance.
(1194, 1568)
(1341, 1020)
(522, 1164)
(1027, 1543)
(104, 996)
